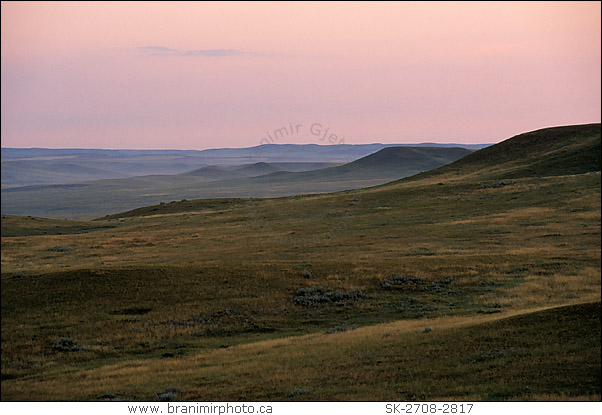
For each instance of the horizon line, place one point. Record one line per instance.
(235, 148)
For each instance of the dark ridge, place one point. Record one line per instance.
(552, 151)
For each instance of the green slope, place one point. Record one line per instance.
(552, 151)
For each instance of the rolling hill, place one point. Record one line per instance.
(258, 169)
(212, 173)
(395, 161)
(551, 152)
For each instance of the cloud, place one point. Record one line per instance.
(159, 50)
(212, 52)
(163, 51)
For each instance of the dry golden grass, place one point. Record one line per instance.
(554, 290)
(268, 369)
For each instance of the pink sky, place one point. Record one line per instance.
(83, 75)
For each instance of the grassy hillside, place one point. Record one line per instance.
(96, 198)
(548, 152)
(28, 226)
(317, 296)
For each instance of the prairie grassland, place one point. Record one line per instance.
(180, 294)
(397, 221)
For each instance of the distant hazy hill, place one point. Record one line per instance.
(266, 150)
(99, 197)
(36, 166)
(405, 159)
(128, 163)
(257, 169)
(23, 173)
(339, 152)
(211, 173)
(22, 167)
(390, 162)
(214, 173)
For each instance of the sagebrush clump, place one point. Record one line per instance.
(64, 344)
(401, 281)
(319, 295)
(339, 329)
(169, 394)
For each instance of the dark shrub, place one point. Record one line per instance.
(495, 185)
(492, 355)
(411, 307)
(401, 282)
(107, 397)
(169, 394)
(307, 274)
(297, 392)
(132, 311)
(339, 329)
(59, 248)
(64, 344)
(165, 397)
(319, 295)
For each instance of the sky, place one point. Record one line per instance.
(196, 75)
